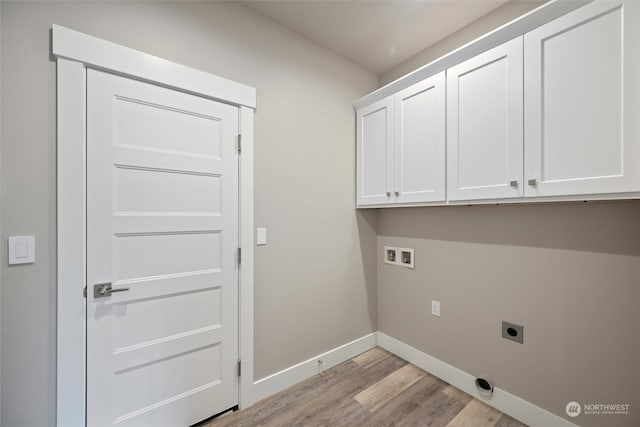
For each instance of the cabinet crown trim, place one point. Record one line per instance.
(519, 26)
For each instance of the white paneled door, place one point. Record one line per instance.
(162, 234)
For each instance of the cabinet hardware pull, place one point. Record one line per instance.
(388, 193)
(532, 182)
(513, 183)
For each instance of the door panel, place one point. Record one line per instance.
(173, 253)
(582, 99)
(136, 191)
(162, 220)
(484, 125)
(420, 141)
(142, 124)
(133, 321)
(375, 153)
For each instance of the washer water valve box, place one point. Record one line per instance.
(403, 257)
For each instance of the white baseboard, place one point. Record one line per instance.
(506, 402)
(274, 383)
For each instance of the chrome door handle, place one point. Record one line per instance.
(103, 290)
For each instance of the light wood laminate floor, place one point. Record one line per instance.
(373, 389)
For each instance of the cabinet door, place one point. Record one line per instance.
(374, 182)
(484, 125)
(581, 102)
(419, 143)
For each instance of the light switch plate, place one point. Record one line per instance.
(261, 236)
(22, 250)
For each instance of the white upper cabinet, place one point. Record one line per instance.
(485, 125)
(552, 114)
(375, 153)
(419, 152)
(401, 146)
(581, 102)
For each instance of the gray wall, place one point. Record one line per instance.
(496, 18)
(315, 288)
(570, 273)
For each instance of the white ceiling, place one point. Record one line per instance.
(378, 34)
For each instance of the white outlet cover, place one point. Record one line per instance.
(435, 308)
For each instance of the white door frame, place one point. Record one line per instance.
(74, 53)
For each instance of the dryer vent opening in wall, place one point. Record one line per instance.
(484, 386)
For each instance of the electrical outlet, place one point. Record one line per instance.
(435, 308)
(513, 332)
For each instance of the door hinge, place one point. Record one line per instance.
(239, 143)
(239, 256)
(84, 292)
(239, 367)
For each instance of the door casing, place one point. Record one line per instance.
(74, 53)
